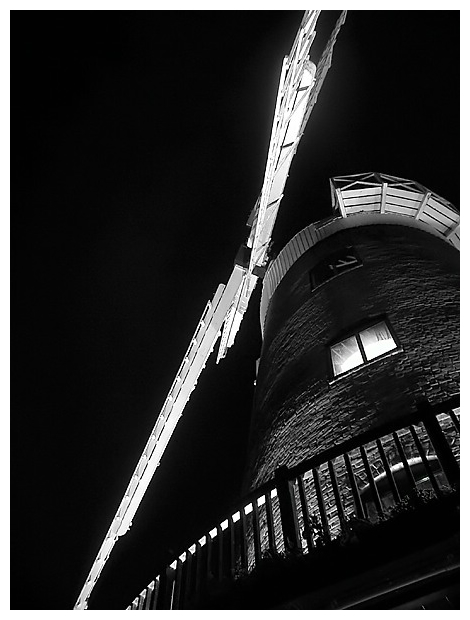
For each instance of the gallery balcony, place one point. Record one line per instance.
(371, 524)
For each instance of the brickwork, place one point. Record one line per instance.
(407, 275)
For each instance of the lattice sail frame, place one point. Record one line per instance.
(299, 87)
(297, 94)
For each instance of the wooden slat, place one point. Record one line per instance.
(270, 523)
(388, 471)
(156, 588)
(269, 281)
(284, 263)
(403, 202)
(256, 532)
(404, 460)
(321, 504)
(342, 208)
(150, 593)
(372, 208)
(231, 546)
(336, 493)
(452, 230)
(365, 191)
(277, 269)
(162, 595)
(422, 204)
(425, 461)
(178, 585)
(370, 478)
(454, 419)
(287, 507)
(305, 514)
(199, 567)
(312, 235)
(243, 540)
(186, 581)
(355, 491)
(406, 194)
(209, 550)
(286, 257)
(409, 211)
(220, 554)
(361, 200)
(171, 573)
(455, 240)
(300, 245)
(383, 199)
(446, 211)
(424, 217)
(440, 217)
(443, 450)
(296, 250)
(304, 241)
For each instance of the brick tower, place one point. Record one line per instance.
(359, 315)
(351, 488)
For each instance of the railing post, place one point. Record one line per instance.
(187, 582)
(220, 554)
(289, 520)
(161, 598)
(270, 523)
(256, 532)
(438, 440)
(178, 584)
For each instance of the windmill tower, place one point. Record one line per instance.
(230, 302)
(360, 319)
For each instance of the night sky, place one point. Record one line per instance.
(139, 141)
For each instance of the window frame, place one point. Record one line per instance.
(356, 334)
(332, 257)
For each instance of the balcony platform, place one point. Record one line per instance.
(410, 561)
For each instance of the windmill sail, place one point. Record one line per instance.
(299, 85)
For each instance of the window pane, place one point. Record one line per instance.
(346, 260)
(335, 264)
(377, 340)
(346, 355)
(322, 272)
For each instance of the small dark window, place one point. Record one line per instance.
(361, 347)
(335, 264)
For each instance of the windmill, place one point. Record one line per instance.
(299, 86)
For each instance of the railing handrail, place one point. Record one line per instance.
(424, 412)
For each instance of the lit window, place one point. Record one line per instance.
(361, 347)
(346, 355)
(377, 340)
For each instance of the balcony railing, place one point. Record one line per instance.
(315, 502)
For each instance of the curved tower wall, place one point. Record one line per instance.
(399, 272)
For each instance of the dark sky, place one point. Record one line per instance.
(139, 141)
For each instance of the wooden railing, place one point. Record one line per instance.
(311, 504)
